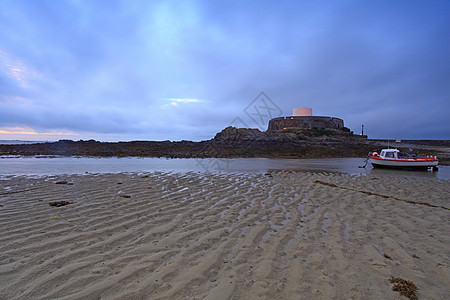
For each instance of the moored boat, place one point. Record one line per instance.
(393, 158)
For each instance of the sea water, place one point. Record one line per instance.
(11, 165)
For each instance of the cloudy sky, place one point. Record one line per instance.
(174, 70)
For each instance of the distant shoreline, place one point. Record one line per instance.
(21, 142)
(236, 143)
(392, 141)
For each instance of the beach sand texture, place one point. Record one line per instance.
(223, 236)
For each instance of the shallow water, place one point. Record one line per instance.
(81, 165)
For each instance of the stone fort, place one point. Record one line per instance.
(302, 118)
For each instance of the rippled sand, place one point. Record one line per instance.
(223, 236)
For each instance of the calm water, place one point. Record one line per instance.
(82, 165)
(19, 142)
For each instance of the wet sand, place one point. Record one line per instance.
(225, 236)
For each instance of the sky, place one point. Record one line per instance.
(114, 70)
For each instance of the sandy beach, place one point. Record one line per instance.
(279, 235)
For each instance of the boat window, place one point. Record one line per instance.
(389, 154)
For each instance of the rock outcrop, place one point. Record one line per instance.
(230, 142)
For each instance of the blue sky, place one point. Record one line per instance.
(184, 70)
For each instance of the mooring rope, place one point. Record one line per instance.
(21, 191)
(379, 195)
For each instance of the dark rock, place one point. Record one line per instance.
(60, 203)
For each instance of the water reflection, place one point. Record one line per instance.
(73, 165)
(354, 166)
(441, 174)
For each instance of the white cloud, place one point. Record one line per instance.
(18, 70)
(174, 102)
(186, 100)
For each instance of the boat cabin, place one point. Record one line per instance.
(389, 153)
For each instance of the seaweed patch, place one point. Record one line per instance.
(404, 287)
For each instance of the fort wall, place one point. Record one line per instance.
(306, 122)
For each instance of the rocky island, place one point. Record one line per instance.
(238, 142)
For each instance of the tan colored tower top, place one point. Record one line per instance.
(302, 112)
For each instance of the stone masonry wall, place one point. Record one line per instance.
(308, 122)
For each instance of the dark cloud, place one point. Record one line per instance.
(111, 69)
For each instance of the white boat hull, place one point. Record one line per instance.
(403, 163)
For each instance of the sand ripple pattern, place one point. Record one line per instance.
(221, 236)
